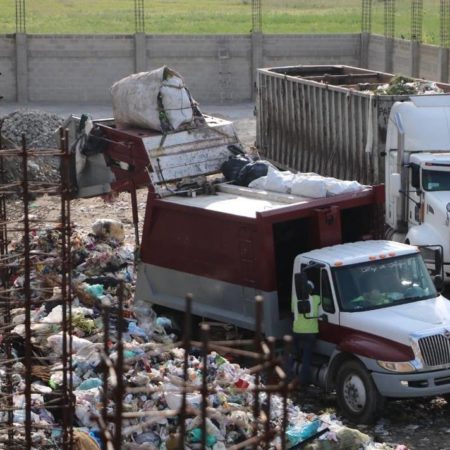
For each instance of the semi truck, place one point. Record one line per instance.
(335, 121)
(226, 244)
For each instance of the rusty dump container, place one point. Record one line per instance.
(326, 119)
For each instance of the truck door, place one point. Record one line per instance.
(320, 277)
(322, 287)
(414, 195)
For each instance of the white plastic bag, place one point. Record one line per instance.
(278, 181)
(259, 183)
(312, 186)
(336, 187)
(135, 100)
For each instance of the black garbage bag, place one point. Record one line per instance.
(252, 171)
(233, 165)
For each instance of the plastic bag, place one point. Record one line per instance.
(336, 187)
(309, 186)
(252, 171)
(279, 181)
(298, 434)
(233, 165)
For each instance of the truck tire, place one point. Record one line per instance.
(357, 396)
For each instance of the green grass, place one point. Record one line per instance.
(212, 17)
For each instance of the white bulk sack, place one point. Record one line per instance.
(336, 187)
(135, 100)
(278, 181)
(259, 183)
(312, 186)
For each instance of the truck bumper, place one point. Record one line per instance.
(424, 384)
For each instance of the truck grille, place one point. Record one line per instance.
(435, 350)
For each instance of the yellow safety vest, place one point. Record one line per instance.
(301, 323)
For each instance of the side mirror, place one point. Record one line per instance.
(303, 307)
(433, 257)
(395, 184)
(438, 283)
(301, 286)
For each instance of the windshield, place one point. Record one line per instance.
(434, 180)
(383, 283)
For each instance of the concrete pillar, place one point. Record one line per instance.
(389, 55)
(415, 59)
(21, 68)
(140, 52)
(364, 50)
(257, 60)
(443, 64)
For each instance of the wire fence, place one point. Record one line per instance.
(405, 19)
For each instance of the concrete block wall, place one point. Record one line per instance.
(7, 67)
(217, 68)
(77, 68)
(377, 53)
(289, 50)
(402, 57)
(433, 62)
(429, 62)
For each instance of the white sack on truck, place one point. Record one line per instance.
(158, 100)
(308, 185)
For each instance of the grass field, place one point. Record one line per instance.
(212, 16)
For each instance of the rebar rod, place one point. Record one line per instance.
(366, 16)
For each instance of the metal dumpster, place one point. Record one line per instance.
(325, 119)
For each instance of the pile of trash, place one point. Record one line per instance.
(39, 129)
(153, 364)
(402, 85)
(243, 170)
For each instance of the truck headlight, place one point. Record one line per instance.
(402, 367)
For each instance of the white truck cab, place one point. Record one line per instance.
(384, 328)
(418, 173)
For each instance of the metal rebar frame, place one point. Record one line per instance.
(268, 365)
(256, 16)
(444, 23)
(416, 20)
(139, 16)
(20, 17)
(22, 287)
(389, 19)
(366, 16)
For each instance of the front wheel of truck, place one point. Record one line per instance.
(357, 396)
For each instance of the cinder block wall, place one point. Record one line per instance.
(432, 62)
(7, 67)
(217, 68)
(289, 50)
(77, 68)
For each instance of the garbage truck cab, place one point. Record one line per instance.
(418, 173)
(384, 330)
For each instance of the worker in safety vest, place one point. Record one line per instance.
(305, 330)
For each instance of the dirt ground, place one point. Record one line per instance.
(418, 424)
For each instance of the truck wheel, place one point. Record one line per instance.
(357, 395)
